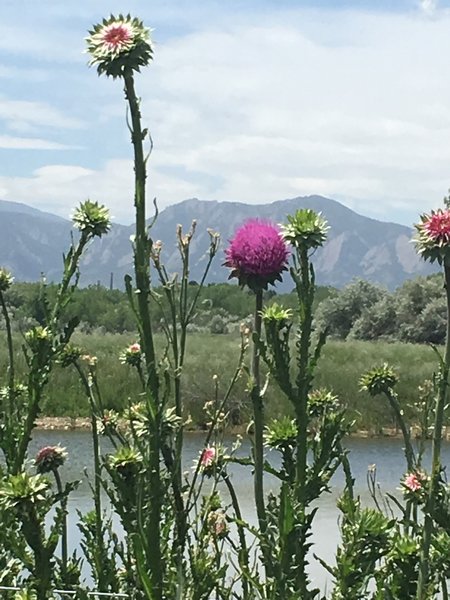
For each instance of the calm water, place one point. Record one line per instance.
(386, 454)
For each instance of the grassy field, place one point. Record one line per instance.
(340, 369)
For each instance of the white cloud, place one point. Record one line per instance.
(27, 113)
(354, 105)
(274, 112)
(59, 188)
(22, 143)
(428, 6)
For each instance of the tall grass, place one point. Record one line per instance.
(339, 370)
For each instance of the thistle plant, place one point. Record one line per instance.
(432, 243)
(318, 424)
(29, 499)
(257, 257)
(180, 311)
(20, 404)
(119, 47)
(411, 561)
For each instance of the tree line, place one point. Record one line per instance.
(415, 312)
(221, 306)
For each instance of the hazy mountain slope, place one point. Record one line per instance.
(32, 241)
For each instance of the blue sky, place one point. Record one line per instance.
(248, 100)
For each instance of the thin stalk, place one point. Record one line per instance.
(64, 553)
(9, 341)
(142, 242)
(243, 553)
(349, 479)
(305, 290)
(191, 497)
(424, 565)
(258, 441)
(38, 378)
(444, 588)
(97, 465)
(34, 394)
(409, 451)
(142, 250)
(69, 271)
(303, 380)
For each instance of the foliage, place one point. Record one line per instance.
(104, 310)
(415, 312)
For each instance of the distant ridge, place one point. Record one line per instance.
(17, 207)
(32, 242)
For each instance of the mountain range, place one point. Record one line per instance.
(32, 242)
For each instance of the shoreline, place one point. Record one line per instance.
(84, 424)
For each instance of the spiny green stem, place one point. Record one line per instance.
(34, 395)
(142, 249)
(69, 272)
(258, 441)
(409, 451)
(9, 340)
(424, 566)
(305, 291)
(142, 243)
(243, 552)
(64, 554)
(97, 465)
(303, 380)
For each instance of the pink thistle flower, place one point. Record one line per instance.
(208, 456)
(433, 236)
(412, 482)
(257, 254)
(217, 522)
(117, 37)
(131, 355)
(438, 226)
(50, 458)
(119, 43)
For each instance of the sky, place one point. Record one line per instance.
(250, 101)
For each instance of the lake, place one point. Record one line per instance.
(385, 453)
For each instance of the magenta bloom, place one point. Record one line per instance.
(438, 226)
(117, 37)
(208, 456)
(412, 482)
(257, 254)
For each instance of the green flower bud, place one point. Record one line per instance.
(6, 279)
(23, 489)
(281, 434)
(322, 401)
(92, 219)
(379, 380)
(276, 312)
(305, 229)
(127, 462)
(69, 355)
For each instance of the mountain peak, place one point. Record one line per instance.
(32, 242)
